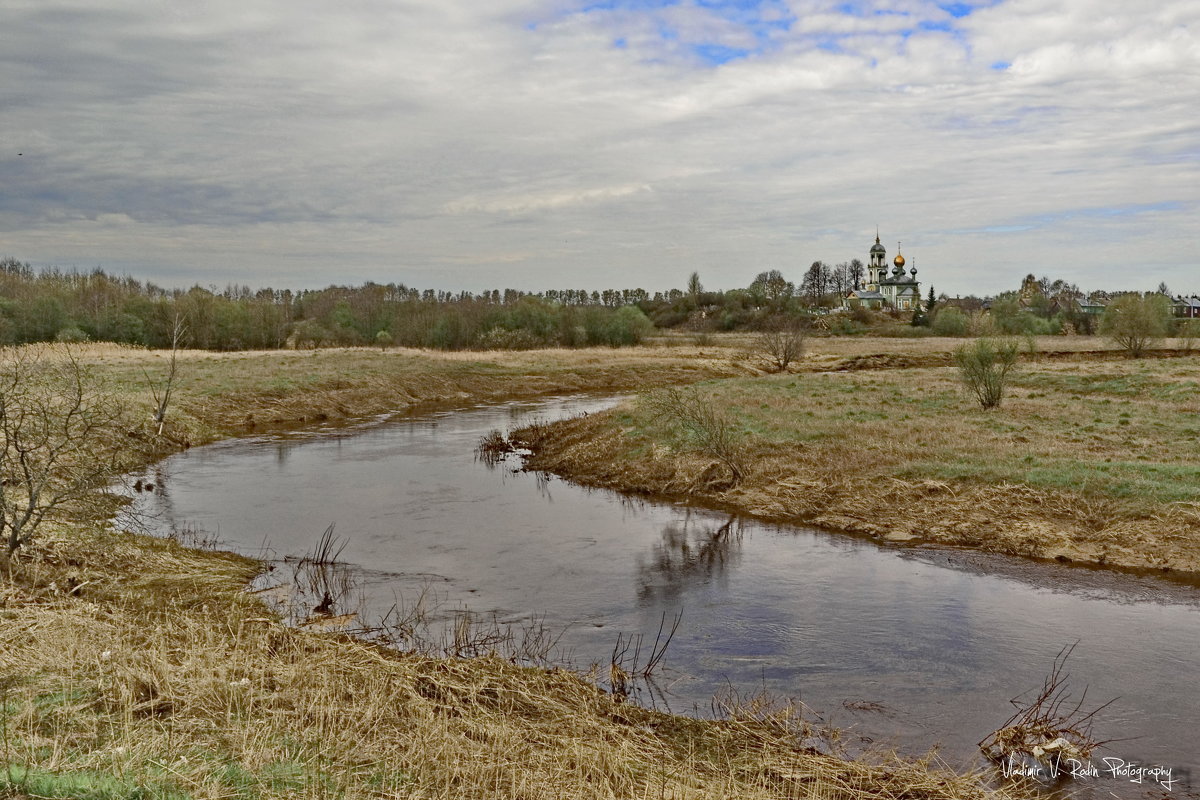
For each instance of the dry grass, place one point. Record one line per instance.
(222, 394)
(133, 667)
(1089, 461)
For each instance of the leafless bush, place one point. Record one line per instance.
(781, 343)
(710, 430)
(163, 399)
(1050, 728)
(984, 367)
(63, 438)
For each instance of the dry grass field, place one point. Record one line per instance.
(132, 667)
(1089, 459)
(224, 394)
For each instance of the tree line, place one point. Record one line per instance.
(57, 305)
(53, 304)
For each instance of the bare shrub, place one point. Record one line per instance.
(709, 429)
(63, 438)
(782, 343)
(984, 367)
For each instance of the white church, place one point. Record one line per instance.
(899, 291)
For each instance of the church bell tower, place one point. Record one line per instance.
(877, 267)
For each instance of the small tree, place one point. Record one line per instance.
(384, 339)
(782, 343)
(708, 428)
(1132, 321)
(984, 367)
(64, 439)
(163, 400)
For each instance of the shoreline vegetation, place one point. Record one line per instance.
(135, 667)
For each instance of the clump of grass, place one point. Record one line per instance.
(493, 447)
(21, 781)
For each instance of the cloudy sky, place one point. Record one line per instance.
(469, 144)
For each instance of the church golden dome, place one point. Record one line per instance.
(899, 260)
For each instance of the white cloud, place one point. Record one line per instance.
(530, 144)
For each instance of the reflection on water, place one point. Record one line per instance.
(694, 549)
(905, 647)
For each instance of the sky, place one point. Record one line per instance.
(533, 144)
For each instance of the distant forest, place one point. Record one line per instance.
(66, 305)
(61, 305)
(57, 305)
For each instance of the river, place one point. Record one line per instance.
(908, 647)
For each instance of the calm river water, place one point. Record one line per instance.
(912, 647)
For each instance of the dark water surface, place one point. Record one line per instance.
(933, 642)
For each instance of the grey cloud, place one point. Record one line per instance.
(452, 145)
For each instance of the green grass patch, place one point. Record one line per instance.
(1150, 481)
(18, 781)
(278, 778)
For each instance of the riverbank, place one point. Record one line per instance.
(230, 394)
(1090, 459)
(134, 667)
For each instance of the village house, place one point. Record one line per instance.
(1186, 307)
(899, 290)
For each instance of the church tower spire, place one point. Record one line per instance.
(877, 264)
